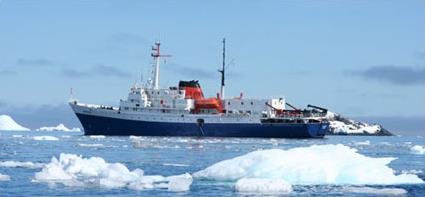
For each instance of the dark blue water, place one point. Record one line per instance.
(173, 156)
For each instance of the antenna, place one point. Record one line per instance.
(222, 71)
(156, 57)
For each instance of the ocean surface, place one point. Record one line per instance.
(23, 155)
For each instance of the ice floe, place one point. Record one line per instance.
(314, 165)
(263, 186)
(45, 138)
(20, 164)
(60, 127)
(91, 145)
(363, 143)
(376, 191)
(4, 177)
(97, 136)
(175, 164)
(8, 124)
(73, 170)
(417, 149)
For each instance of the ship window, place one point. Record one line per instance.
(252, 103)
(126, 108)
(137, 105)
(134, 109)
(230, 111)
(241, 103)
(228, 103)
(158, 92)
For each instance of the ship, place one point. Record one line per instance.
(183, 110)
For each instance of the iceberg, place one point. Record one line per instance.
(315, 165)
(74, 170)
(8, 124)
(60, 127)
(4, 177)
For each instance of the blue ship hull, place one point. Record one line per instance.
(98, 125)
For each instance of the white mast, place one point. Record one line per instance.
(156, 57)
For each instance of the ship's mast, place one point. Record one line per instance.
(156, 54)
(222, 71)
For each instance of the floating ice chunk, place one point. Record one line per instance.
(17, 136)
(20, 164)
(97, 136)
(264, 186)
(363, 143)
(8, 124)
(179, 182)
(60, 127)
(4, 177)
(175, 164)
(317, 164)
(376, 191)
(411, 171)
(417, 149)
(45, 138)
(73, 170)
(91, 145)
(133, 137)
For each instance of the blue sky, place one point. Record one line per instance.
(359, 58)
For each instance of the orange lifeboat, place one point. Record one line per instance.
(210, 103)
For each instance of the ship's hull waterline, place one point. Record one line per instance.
(101, 125)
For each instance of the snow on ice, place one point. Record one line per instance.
(319, 164)
(340, 125)
(8, 124)
(73, 170)
(60, 127)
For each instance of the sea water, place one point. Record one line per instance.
(34, 163)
